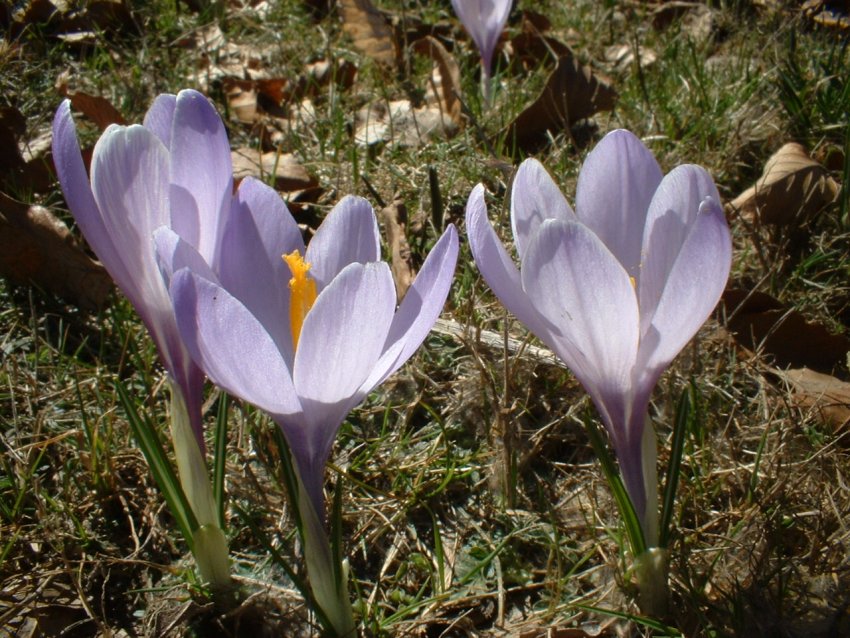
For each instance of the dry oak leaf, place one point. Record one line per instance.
(444, 82)
(400, 123)
(762, 324)
(98, 109)
(791, 191)
(37, 248)
(288, 174)
(370, 31)
(822, 393)
(572, 92)
(394, 219)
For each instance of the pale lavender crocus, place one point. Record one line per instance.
(484, 20)
(304, 334)
(615, 288)
(174, 170)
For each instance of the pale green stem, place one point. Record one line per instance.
(210, 544)
(652, 566)
(331, 594)
(486, 88)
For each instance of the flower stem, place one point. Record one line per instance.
(210, 543)
(651, 569)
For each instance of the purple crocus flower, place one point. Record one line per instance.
(484, 20)
(616, 288)
(174, 170)
(304, 334)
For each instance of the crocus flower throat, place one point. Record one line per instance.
(302, 290)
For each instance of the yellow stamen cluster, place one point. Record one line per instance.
(302, 290)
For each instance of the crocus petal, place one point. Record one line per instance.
(173, 254)
(160, 117)
(671, 215)
(259, 231)
(349, 234)
(534, 198)
(200, 199)
(419, 309)
(78, 194)
(484, 20)
(129, 176)
(230, 345)
(692, 290)
(341, 340)
(496, 266)
(615, 186)
(577, 284)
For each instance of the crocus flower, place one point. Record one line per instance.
(615, 288)
(484, 20)
(304, 334)
(174, 170)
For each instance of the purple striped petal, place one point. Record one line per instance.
(231, 346)
(496, 266)
(578, 285)
(484, 20)
(258, 233)
(200, 194)
(615, 187)
(534, 198)
(671, 215)
(349, 234)
(419, 309)
(160, 117)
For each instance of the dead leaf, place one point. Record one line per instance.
(792, 190)
(622, 57)
(822, 393)
(762, 324)
(98, 109)
(572, 92)
(401, 124)
(394, 218)
(249, 99)
(370, 31)
(288, 174)
(37, 248)
(833, 15)
(444, 83)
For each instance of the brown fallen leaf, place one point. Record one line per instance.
(572, 92)
(444, 83)
(394, 219)
(249, 99)
(370, 31)
(824, 394)
(37, 248)
(792, 190)
(833, 15)
(762, 324)
(400, 123)
(288, 174)
(98, 109)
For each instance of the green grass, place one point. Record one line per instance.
(759, 542)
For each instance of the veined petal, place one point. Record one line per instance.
(259, 231)
(534, 198)
(201, 173)
(484, 20)
(341, 340)
(672, 213)
(230, 345)
(418, 310)
(496, 266)
(579, 286)
(615, 186)
(349, 234)
(78, 194)
(130, 185)
(692, 290)
(160, 117)
(173, 253)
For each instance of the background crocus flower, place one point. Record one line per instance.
(616, 288)
(174, 170)
(304, 334)
(484, 20)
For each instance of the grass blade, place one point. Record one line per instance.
(220, 455)
(684, 414)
